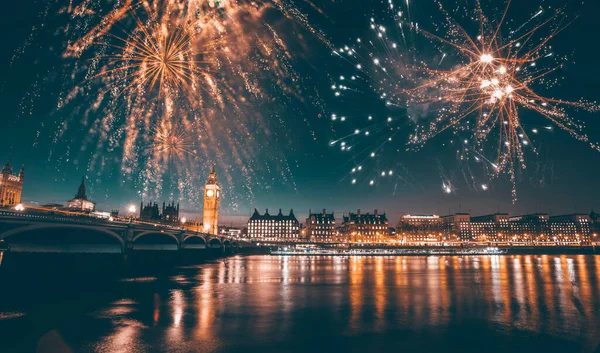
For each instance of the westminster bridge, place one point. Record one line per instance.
(56, 233)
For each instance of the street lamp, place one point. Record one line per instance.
(131, 210)
(19, 208)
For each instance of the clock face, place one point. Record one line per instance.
(210, 193)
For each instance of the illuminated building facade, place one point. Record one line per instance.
(365, 228)
(232, 232)
(570, 228)
(11, 186)
(81, 202)
(490, 228)
(274, 228)
(420, 229)
(529, 228)
(212, 198)
(458, 227)
(320, 227)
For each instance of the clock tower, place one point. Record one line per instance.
(212, 196)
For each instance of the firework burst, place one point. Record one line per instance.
(155, 57)
(171, 142)
(479, 83)
(180, 80)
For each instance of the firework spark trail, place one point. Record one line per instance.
(479, 86)
(528, 21)
(137, 72)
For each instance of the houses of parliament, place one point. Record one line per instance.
(11, 186)
(170, 212)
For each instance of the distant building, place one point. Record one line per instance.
(320, 227)
(595, 224)
(529, 227)
(458, 227)
(170, 213)
(491, 228)
(230, 231)
(420, 229)
(193, 225)
(303, 235)
(149, 212)
(11, 186)
(570, 228)
(365, 228)
(275, 228)
(81, 202)
(234, 232)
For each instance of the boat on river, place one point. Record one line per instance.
(387, 252)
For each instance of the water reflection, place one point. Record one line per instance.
(537, 302)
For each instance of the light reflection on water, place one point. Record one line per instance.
(357, 303)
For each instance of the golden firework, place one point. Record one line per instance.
(171, 140)
(155, 56)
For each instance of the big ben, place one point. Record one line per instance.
(212, 196)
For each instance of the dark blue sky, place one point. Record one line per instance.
(562, 178)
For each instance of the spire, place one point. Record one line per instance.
(212, 177)
(22, 173)
(81, 191)
(7, 168)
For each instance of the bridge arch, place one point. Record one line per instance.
(214, 243)
(155, 240)
(190, 236)
(44, 237)
(194, 242)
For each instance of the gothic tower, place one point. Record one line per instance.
(11, 186)
(81, 194)
(212, 196)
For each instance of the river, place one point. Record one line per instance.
(265, 303)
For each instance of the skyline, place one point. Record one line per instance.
(295, 168)
(240, 219)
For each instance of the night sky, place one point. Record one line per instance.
(293, 164)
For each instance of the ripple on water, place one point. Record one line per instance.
(124, 301)
(139, 279)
